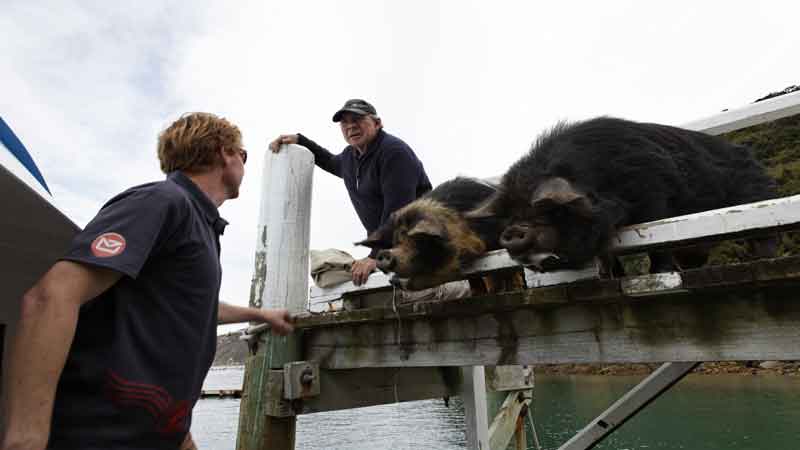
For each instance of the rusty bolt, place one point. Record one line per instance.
(307, 377)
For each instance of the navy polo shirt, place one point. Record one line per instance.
(143, 347)
(385, 178)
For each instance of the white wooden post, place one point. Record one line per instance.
(476, 419)
(283, 230)
(280, 280)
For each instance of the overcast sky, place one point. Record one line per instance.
(87, 86)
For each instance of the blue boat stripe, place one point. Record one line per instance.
(10, 140)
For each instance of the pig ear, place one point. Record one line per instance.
(426, 227)
(370, 242)
(486, 209)
(380, 238)
(558, 192)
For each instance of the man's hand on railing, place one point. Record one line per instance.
(361, 270)
(283, 139)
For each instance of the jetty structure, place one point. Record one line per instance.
(356, 346)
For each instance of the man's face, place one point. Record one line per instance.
(233, 172)
(359, 130)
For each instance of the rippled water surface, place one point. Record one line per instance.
(730, 412)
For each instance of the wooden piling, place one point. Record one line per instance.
(280, 280)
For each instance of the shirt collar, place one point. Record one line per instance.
(371, 147)
(210, 211)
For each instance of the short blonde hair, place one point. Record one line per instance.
(192, 142)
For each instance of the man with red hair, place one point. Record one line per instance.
(115, 340)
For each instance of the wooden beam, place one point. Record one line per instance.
(504, 426)
(631, 403)
(740, 312)
(476, 412)
(280, 280)
(726, 223)
(357, 388)
(769, 216)
(734, 276)
(747, 116)
(509, 378)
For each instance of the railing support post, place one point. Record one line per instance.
(280, 280)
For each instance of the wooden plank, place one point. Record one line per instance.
(509, 378)
(653, 284)
(542, 279)
(735, 276)
(280, 280)
(494, 260)
(358, 388)
(735, 324)
(726, 223)
(505, 423)
(476, 418)
(753, 114)
(221, 393)
(631, 403)
(520, 435)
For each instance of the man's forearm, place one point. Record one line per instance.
(38, 352)
(323, 158)
(228, 313)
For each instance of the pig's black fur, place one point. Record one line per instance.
(464, 194)
(460, 194)
(632, 173)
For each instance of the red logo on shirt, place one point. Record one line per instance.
(108, 244)
(169, 416)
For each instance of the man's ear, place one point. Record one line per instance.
(223, 154)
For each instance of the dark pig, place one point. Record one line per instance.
(581, 181)
(428, 241)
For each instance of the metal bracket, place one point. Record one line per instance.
(300, 380)
(509, 378)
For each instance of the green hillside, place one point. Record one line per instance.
(777, 145)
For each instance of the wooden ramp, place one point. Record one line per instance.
(357, 346)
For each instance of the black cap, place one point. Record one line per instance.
(355, 106)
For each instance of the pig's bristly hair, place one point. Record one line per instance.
(634, 172)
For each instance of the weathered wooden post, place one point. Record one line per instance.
(280, 280)
(476, 419)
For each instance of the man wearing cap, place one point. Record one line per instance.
(380, 171)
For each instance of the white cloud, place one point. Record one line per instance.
(468, 84)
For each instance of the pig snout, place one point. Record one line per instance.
(385, 260)
(517, 238)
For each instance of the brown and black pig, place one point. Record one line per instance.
(428, 241)
(580, 182)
